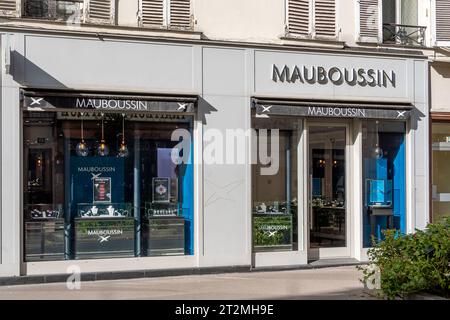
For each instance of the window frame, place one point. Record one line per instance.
(434, 41)
(166, 16)
(312, 23)
(54, 19)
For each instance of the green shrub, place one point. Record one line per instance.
(412, 263)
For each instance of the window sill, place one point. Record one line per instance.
(105, 29)
(314, 42)
(391, 45)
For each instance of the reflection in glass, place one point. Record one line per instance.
(441, 170)
(90, 205)
(383, 178)
(275, 196)
(327, 178)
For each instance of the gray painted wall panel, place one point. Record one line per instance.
(112, 65)
(225, 199)
(264, 85)
(422, 140)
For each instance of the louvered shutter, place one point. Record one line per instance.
(325, 18)
(180, 13)
(101, 11)
(9, 8)
(369, 25)
(443, 21)
(298, 18)
(152, 13)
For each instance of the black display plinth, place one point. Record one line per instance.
(163, 236)
(105, 237)
(44, 240)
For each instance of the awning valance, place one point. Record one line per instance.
(46, 101)
(331, 109)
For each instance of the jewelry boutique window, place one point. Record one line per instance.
(103, 185)
(384, 181)
(441, 170)
(274, 186)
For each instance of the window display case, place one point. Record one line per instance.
(272, 232)
(104, 231)
(272, 226)
(379, 192)
(384, 179)
(44, 232)
(100, 210)
(163, 229)
(113, 174)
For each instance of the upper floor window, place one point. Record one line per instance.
(401, 22)
(166, 13)
(441, 22)
(75, 11)
(311, 18)
(391, 22)
(52, 9)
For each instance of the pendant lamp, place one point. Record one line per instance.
(123, 149)
(103, 149)
(82, 148)
(378, 152)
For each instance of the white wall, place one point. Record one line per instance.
(249, 20)
(127, 13)
(440, 84)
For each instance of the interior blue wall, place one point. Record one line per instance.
(187, 199)
(390, 166)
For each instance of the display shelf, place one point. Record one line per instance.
(104, 210)
(272, 232)
(441, 146)
(44, 240)
(441, 197)
(43, 211)
(162, 209)
(164, 235)
(107, 237)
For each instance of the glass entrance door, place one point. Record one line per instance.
(327, 145)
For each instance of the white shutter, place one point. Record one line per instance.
(369, 20)
(152, 13)
(9, 8)
(101, 11)
(442, 21)
(298, 18)
(180, 13)
(325, 18)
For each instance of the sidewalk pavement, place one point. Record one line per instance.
(325, 283)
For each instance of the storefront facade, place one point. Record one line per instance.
(88, 134)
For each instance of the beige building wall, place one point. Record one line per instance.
(238, 20)
(440, 87)
(346, 21)
(261, 20)
(127, 13)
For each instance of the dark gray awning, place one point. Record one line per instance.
(332, 109)
(46, 101)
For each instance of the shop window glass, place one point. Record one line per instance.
(384, 193)
(441, 170)
(275, 204)
(52, 9)
(103, 185)
(327, 171)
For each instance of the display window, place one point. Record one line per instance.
(440, 170)
(384, 181)
(274, 185)
(104, 185)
